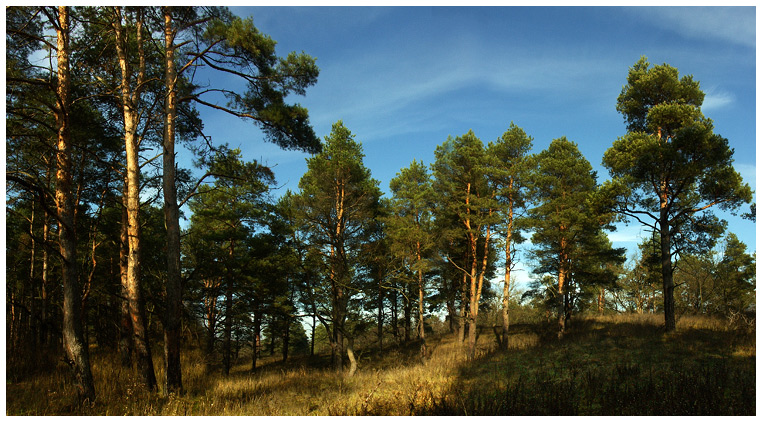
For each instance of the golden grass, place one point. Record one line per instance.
(394, 382)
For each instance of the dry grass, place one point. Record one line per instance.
(601, 359)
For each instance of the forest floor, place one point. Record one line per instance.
(605, 365)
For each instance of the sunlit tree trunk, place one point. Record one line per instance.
(338, 273)
(562, 286)
(601, 299)
(130, 100)
(77, 353)
(477, 281)
(351, 356)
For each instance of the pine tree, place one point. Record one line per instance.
(510, 166)
(337, 202)
(227, 212)
(670, 168)
(562, 187)
(409, 228)
(461, 179)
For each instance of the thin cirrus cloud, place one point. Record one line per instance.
(716, 99)
(396, 85)
(705, 23)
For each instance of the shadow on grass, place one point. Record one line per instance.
(605, 367)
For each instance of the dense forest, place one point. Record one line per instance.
(336, 278)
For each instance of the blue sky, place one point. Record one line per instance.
(404, 78)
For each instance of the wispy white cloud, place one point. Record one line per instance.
(716, 99)
(731, 24)
(384, 85)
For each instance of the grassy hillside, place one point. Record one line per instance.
(607, 365)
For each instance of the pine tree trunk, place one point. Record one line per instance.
(125, 325)
(421, 320)
(312, 337)
(561, 304)
(255, 341)
(228, 329)
(452, 316)
(666, 271)
(507, 280)
(462, 318)
(337, 347)
(211, 326)
(77, 353)
(472, 329)
(408, 309)
(562, 286)
(601, 303)
(173, 287)
(45, 328)
(395, 317)
(472, 306)
(286, 338)
(351, 356)
(33, 331)
(130, 112)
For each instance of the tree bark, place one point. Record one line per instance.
(125, 326)
(408, 310)
(173, 287)
(351, 355)
(255, 341)
(666, 269)
(286, 338)
(312, 337)
(562, 286)
(601, 301)
(130, 101)
(45, 329)
(421, 321)
(462, 317)
(226, 341)
(210, 303)
(77, 353)
(395, 316)
(477, 281)
(507, 280)
(337, 347)
(452, 316)
(34, 334)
